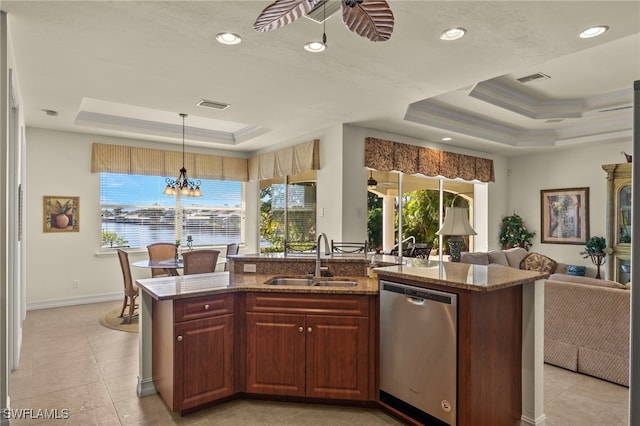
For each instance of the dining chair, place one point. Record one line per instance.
(200, 261)
(159, 252)
(231, 249)
(130, 289)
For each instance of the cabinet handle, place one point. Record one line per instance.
(179, 339)
(300, 329)
(206, 307)
(309, 330)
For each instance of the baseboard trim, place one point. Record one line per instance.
(82, 300)
(540, 421)
(145, 387)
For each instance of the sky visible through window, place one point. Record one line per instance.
(147, 191)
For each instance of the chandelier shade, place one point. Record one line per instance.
(182, 184)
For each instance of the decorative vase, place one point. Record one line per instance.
(61, 221)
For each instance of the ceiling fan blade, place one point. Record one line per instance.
(372, 19)
(282, 12)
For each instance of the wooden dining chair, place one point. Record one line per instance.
(130, 289)
(231, 249)
(159, 252)
(200, 261)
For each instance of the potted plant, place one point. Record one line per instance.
(513, 233)
(595, 245)
(596, 249)
(61, 214)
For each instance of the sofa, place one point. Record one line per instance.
(516, 257)
(586, 320)
(586, 326)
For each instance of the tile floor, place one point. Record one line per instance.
(69, 361)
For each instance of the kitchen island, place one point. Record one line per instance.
(348, 315)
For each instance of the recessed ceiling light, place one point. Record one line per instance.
(315, 46)
(228, 38)
(453, 34)
(447, 139)
(594, 31)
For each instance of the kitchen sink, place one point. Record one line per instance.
(286, 281)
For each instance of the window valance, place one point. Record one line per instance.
(411, 159)
(292, 160)
(157, 162)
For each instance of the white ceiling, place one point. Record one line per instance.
(128, 68)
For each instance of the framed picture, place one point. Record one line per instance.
(60, 213)
(565, 215)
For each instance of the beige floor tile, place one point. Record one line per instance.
(68, 360)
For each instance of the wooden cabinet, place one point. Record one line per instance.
(193, 356)
(618, 266)
(309, 346)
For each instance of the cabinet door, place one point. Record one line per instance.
(337, 357)
(204, 357)
(275, 354)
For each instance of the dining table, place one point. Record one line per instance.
(170, 266)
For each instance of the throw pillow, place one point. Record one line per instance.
(587, 281)
(538, 262)
(498, 257)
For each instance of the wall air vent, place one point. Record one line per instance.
(211, 104)
(320, 12)
(532, 77)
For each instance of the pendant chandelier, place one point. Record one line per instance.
(183, 185)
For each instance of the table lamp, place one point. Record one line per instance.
(456, 224)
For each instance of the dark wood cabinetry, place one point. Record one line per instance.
(314, 346)
(193, 355)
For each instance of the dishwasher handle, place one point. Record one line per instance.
(419, 295)
(419, 301)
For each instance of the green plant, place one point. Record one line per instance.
(513, 233)
(59, 208)
(112, 239)
(594, 245)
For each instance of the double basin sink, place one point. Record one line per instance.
(311, 282)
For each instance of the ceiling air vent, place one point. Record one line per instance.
(211, 104)
(320, 12)
(554, 120)
(532, 77)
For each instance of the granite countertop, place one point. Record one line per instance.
(465, 276)
(224, 282)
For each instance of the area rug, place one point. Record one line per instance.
(111, 320)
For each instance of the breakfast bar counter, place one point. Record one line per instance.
(500, 319)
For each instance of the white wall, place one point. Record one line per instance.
(566, 168)
(59, 163)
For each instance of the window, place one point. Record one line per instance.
(421, 207)
(135, 213)
(293, 222)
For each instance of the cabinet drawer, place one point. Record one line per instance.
(202, 307)
(295, 303)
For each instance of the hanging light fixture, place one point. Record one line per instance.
(319, 46)
(371, 182)
(183, 185)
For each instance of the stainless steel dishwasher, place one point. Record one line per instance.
(418, 352)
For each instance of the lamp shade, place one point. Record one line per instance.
(456, 222)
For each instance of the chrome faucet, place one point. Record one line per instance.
(318, 273)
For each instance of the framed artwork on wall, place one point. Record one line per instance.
(564, 215)
(60, 213)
